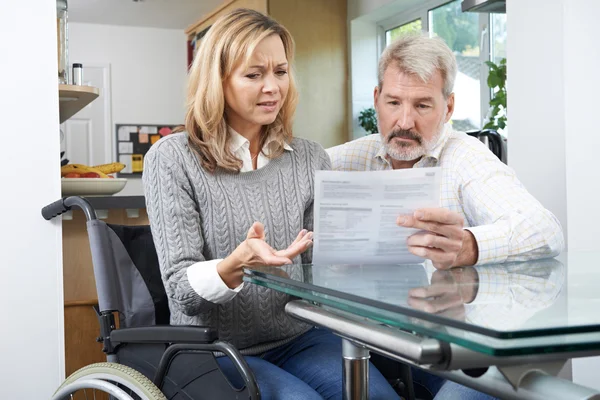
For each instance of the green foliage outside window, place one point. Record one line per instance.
(497, 82)
(459, 30)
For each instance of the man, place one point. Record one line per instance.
(486, 215)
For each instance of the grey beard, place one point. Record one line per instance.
(413, 152)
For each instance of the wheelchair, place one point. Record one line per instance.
(147, 359)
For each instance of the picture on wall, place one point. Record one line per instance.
(134, 141)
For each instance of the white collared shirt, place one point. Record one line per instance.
(203, 276)
(240, 147)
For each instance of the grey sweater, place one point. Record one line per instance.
(196, 216)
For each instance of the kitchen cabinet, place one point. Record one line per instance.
(319, 29)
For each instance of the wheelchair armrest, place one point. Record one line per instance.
(164, 334)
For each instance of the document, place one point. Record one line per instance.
(355, 214)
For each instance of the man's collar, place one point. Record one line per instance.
(381, 153)
(238, 141)
(433, 153)
(436, 151)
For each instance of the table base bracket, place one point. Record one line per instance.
(517, 373)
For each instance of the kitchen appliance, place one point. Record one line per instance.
(493, 140)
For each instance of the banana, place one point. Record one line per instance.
(110, 168)
(80, 169)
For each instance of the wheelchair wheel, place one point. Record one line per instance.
(117, 380)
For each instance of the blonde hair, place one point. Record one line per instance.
(230, 41)
(420, 55)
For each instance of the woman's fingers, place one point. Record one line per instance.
(256, 231)
(263, 254)
(296, 249)
(301, 235)
(274, 260)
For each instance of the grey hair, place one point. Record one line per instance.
(421, 55)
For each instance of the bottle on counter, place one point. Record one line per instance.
(77, 74)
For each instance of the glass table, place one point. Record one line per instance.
(505, 329)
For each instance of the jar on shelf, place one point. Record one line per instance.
(62, 35)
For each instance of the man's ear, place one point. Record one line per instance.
(375, 97)
(449, 107)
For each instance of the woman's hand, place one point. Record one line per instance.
(254, 251)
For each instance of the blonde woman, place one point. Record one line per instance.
(234, 190)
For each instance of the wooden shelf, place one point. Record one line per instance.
(73, 98)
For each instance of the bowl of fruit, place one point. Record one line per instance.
(97, 180)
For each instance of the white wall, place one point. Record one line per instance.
(553, 87)
(148, 73)
(363, 70)
(582, 86)
(31, 333)
(363, 18)
(535, 88)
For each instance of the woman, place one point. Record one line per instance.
(230, 191)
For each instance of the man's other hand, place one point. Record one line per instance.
(442, 238)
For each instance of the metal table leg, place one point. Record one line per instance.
(355, 370)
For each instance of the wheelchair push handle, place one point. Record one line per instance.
(63, 205)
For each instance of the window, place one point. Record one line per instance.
(392, 34)
(468, 36)
(461, 32)
(498, 37)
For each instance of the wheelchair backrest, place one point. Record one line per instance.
(127, 274)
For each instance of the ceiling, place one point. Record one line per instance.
(168, 14)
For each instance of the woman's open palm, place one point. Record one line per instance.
(260, 253)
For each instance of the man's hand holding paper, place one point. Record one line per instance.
(442, 238)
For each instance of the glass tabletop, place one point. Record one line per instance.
(546, 305)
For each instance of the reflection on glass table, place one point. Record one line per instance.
(502, 309)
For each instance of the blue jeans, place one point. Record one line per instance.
(442, 389)
(307, 368)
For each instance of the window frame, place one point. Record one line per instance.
(422, 11)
